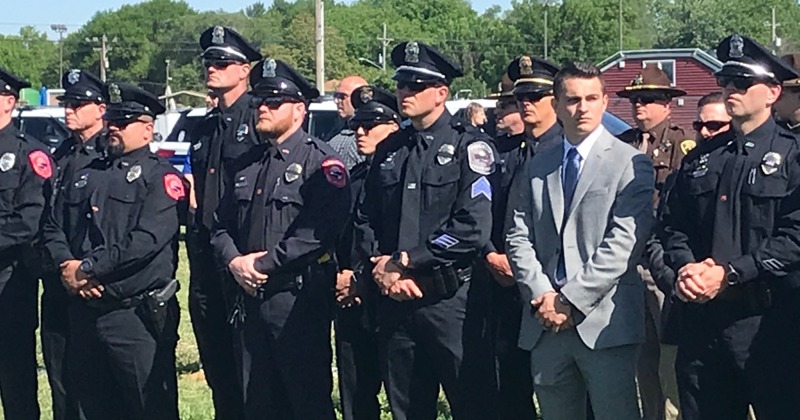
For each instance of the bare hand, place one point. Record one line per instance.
(92, 290)
(551, 313)
(701, 282)
(243, 270)
(405, 289)
(500, 269)
(72, 277)
(346, 291)
(385, 273)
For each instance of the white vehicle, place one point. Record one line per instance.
(174, 128)
(45, 124)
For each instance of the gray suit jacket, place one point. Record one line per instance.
(602, 238)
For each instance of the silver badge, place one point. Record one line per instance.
(134, 173)
(74, 76)
(7, 161)
(293, 172)
(242, 132)
(269, 68)
(412, 52)
(218, 35)
(388, 163)
(770, 163)
(114, 94)
(737, 47)
(481, 158)
(445, 154)
(366, 94)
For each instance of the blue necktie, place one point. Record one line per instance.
(572, 168)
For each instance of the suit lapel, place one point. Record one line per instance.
(554, 189)
(593, 165)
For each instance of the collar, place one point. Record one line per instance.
(285, 149)
(554, 133)
(508, 142)
(758, 136)
(443, 121)
(237, 106)
(10, 128)
(585, 146)
(90, 144)
(657, 132)
(133, 156)
(791, 126)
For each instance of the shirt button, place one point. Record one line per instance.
(723, 198)
(259, 191)
(88, 215)
(212, 170)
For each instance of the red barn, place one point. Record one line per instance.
(691, 69)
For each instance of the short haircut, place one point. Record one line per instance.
(576, 70)
(472, 109)
(711, 98)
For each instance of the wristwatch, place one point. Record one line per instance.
(732, 276)
(86, 266)
(397, 259)
(563, 300)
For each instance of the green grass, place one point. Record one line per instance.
(194, 396)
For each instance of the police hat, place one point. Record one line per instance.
(271, 77)
(532, 75)
(744, 57)
(127, 102)
(505, 89)
(10, 84)
(374, 104)
(794, 61)
(83, 86)
(651, 80)
(222, 43)
(420, 63)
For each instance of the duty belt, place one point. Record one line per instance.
(161, 296)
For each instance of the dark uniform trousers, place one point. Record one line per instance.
(71, 156)
(358, 364)
(740, 348)
(219, 140)
(25, 184)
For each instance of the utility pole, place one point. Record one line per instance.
(385, 41)
(620, 25)
(546, 4)
(60, 28)
(320, 35)
(103, 49)
(773, 24)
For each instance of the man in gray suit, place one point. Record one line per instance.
(580, 215)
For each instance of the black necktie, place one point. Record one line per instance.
(213, 176)
(255, 219)
(412, 194)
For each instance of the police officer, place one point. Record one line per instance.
(25, 175)
(533, 90)
(787, 109)
(84, 105)
(428, 203)
(376, 117)
(731, 232)
(114, 235)
(277, 229)
(227, 132)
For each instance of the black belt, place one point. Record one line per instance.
(444, 280)
(161, 296)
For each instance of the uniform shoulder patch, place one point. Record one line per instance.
(173, 186)
(335, 172)
(687, 146)
(40, 163)
(480, 157)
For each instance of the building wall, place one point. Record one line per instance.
(690, 75)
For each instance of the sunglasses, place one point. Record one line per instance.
(271, 102)
(340, 96)
(648, 99)
(218, 64)
(712, 126)
(365, 124)
(739, 83)
(74, 104)
(532, 97)
(416, 86)
(123, 124)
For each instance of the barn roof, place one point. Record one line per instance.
(668, 53)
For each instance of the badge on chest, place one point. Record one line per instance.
(133, 173)
(770, 163)
(445, 154)
(293, 172)
(7, 161)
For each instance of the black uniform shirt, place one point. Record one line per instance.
(291, 200)
(220, 139)
(26, 171)
(735, 200)
(121, 214)
(453, 220)
(74, 154)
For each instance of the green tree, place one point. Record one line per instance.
(30, 55)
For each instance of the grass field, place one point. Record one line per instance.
(194, 396)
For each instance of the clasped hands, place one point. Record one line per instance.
(551, 313)
(389, 278)
(700, 282)
(79, 283)
(244, 272)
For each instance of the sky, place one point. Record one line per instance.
(74, 13)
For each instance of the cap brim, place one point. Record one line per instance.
(414, 77)
(634, 90)
(532, 88)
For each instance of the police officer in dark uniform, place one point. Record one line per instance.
(84, 105)
(532, 87)
(533, 90)
(428, 204)
(25, 175)
(114, 235)
(277, 229)
(227, 133)
(787, 110)
(731, 231)
(376, 117)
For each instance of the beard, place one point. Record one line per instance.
(274, 128)
(115, 149)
